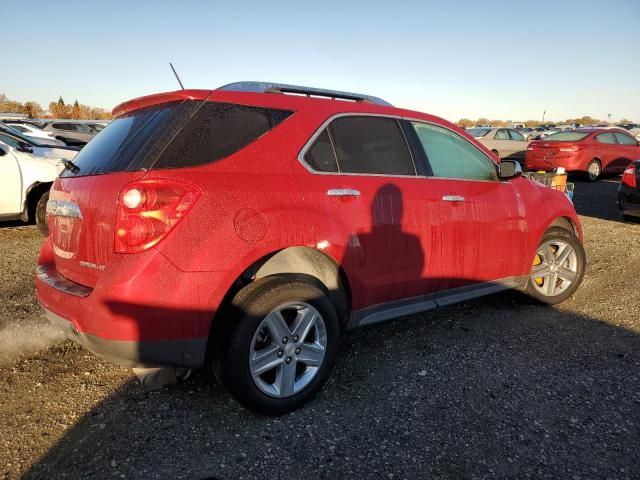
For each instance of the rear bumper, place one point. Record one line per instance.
(570, 162)
(136, 354)
(142, 311)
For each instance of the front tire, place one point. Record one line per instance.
(281, 344)
(558, 267)
(41, 214)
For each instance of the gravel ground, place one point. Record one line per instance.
(497, 387)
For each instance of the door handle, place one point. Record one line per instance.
(453, 198)
(343, 192)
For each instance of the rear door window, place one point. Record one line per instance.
(173, 135)
(371, 145)
(516, 136)
(625, 139)
(501, 135)
(451, 156)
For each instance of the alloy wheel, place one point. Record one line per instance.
(593, 170)
(555, 267)
(287, 349)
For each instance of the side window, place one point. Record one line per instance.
(501, 134)
(9, 140)
(371, 145)
(452, 156)
(516, 136)
(321, 156)
(606, 138)
(625, 139)
(79, 127)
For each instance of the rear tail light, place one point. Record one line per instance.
(148, 209)
(629, 176)
(572, 148)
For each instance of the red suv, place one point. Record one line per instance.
(248, 227)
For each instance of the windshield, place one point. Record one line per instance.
(20, 135)
(478, 132)
(566, 137)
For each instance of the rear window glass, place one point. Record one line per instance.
(173, 135)
(566, 136)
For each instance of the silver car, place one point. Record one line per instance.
(503, 142)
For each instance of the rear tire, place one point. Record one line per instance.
(41, 214)
(558, 267)
(594, 170)
(269, 361)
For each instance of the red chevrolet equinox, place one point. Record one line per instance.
(249, 227)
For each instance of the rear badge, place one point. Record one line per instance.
(92, 265)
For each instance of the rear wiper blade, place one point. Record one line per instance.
(69, 165)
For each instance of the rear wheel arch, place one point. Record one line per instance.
(34, 192)
(304, 263)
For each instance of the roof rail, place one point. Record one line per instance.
(267, 87)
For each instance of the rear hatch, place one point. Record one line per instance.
(82, 205)
(91, 213)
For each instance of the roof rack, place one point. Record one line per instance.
(267, 87)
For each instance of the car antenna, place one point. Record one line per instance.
(176, 74)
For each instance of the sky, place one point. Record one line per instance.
(507, 60)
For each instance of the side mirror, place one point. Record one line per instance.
(509, 169)
(24, 147)
(3, 152)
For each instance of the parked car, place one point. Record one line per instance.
(249, 227)
(539, 132)
(24, 185)
(503, 142)
(29, 145)
(71, 133)
(35, 133)
(629, 192)
(635, 132)
(526, 132)
(592, 151)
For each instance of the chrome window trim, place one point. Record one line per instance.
(305, 148)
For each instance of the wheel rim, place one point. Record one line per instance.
(555, 268)
(594, 170)
(287, 349)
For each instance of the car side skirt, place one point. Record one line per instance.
(409, 306)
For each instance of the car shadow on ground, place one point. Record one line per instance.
(597, 199)
(493, 387)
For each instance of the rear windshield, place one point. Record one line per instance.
(174, 135)
(478, 132)
(566, 137)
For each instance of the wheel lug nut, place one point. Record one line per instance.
(288, 360)
(285, 340)
(297, 351)
(295, 338)
(280, 353)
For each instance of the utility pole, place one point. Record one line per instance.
(608, 118)
(543, 114)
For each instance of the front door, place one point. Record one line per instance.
(10, 182)
(482, 225)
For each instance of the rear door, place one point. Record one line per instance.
(503, 143)
(482, 225)
(609, 152)
(367, 205)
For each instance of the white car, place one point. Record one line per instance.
(36, 133)
(25, 181)
(635, 132)
(22, 143)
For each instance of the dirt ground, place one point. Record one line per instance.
(498, 387)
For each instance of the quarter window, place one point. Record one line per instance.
(321, 156)
(371, 145)
(606, 138)
(625, 139)
(451, 156)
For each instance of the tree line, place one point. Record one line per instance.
(586, 120)
(58, 109)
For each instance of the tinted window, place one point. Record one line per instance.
(566, 137)
(478, 132)
(452, 156)
(501, 135)
(515, 135)
(371, 145)
(606, 138)
(81, 128)
(625, 139)
(321, 156)
(176, 134)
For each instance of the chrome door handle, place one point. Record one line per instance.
(343, 192)
(453, 198)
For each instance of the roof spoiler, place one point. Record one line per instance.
(267, 87)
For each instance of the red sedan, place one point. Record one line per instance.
(594, 151)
